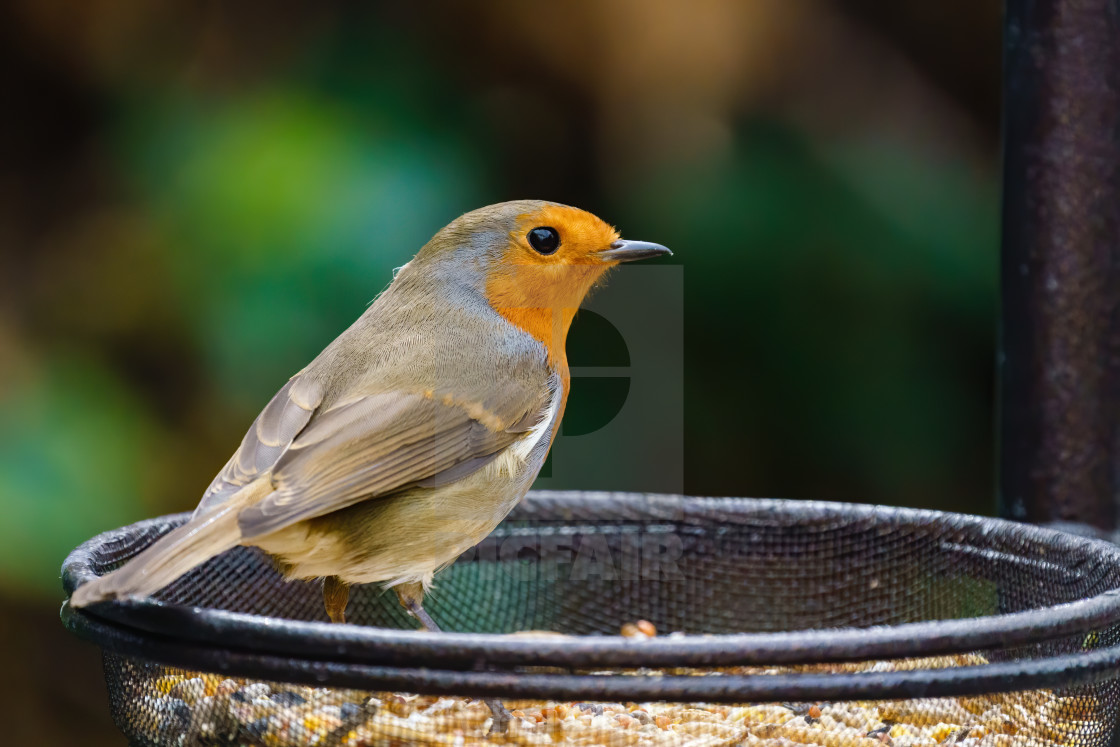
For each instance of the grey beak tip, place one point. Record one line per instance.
(626, 251)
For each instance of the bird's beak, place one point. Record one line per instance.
(628, 251)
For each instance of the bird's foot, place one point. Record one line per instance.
(501, 714)
(411, 596)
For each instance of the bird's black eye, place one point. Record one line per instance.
(544, 239)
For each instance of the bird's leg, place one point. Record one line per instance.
(411, 597)
(336, 593)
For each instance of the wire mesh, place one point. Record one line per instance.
(747, 622)
(164, 706)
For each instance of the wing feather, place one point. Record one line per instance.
(277, 426)
(374, 446)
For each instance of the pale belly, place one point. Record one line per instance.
(402, 538)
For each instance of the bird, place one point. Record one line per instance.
(417, 430)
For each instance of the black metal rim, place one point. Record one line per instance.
(352, 644)
(1012, 676)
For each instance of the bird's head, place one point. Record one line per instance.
(532, 261)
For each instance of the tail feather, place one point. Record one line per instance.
(170, 557)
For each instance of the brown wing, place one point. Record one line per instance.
(376, 445)
(278, 424)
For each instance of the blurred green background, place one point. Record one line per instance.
(196, 197)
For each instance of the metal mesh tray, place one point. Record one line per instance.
(822, 606)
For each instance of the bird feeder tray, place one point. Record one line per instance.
(777, 622)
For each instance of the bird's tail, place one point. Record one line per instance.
(171, 556)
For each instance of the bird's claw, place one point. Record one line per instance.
(501, 716)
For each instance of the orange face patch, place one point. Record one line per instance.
(582, 235)
(540, 293)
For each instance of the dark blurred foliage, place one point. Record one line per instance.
(196, 198)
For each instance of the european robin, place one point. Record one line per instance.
(414, 433)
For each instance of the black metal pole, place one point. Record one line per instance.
(1059, 358)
